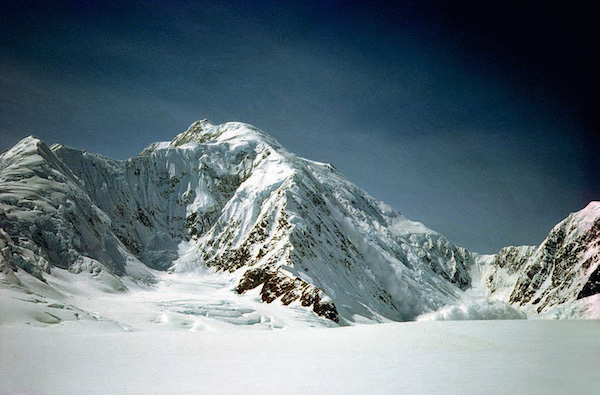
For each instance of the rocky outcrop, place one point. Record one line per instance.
(276, 285)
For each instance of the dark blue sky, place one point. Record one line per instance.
(475, 119)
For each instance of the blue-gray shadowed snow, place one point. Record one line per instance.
(478, 133)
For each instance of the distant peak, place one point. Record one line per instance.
(592, 210)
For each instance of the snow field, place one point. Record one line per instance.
(460, 357)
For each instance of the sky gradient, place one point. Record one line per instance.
(477, 120)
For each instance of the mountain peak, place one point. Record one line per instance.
(202, 124)
(593, 208)
(205, 132)
(587, 217)
(31, 149)
(28, 143)
(196, 132)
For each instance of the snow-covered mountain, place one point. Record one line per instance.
(230, 199)
(48, 220)
(561, 277)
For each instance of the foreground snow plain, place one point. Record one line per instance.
(461, 357)
(191, 334)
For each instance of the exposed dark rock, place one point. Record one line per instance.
(231, 260)
(592, 286)
(252, 279)
(326, 309)
(277, 285)
(143, 218)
